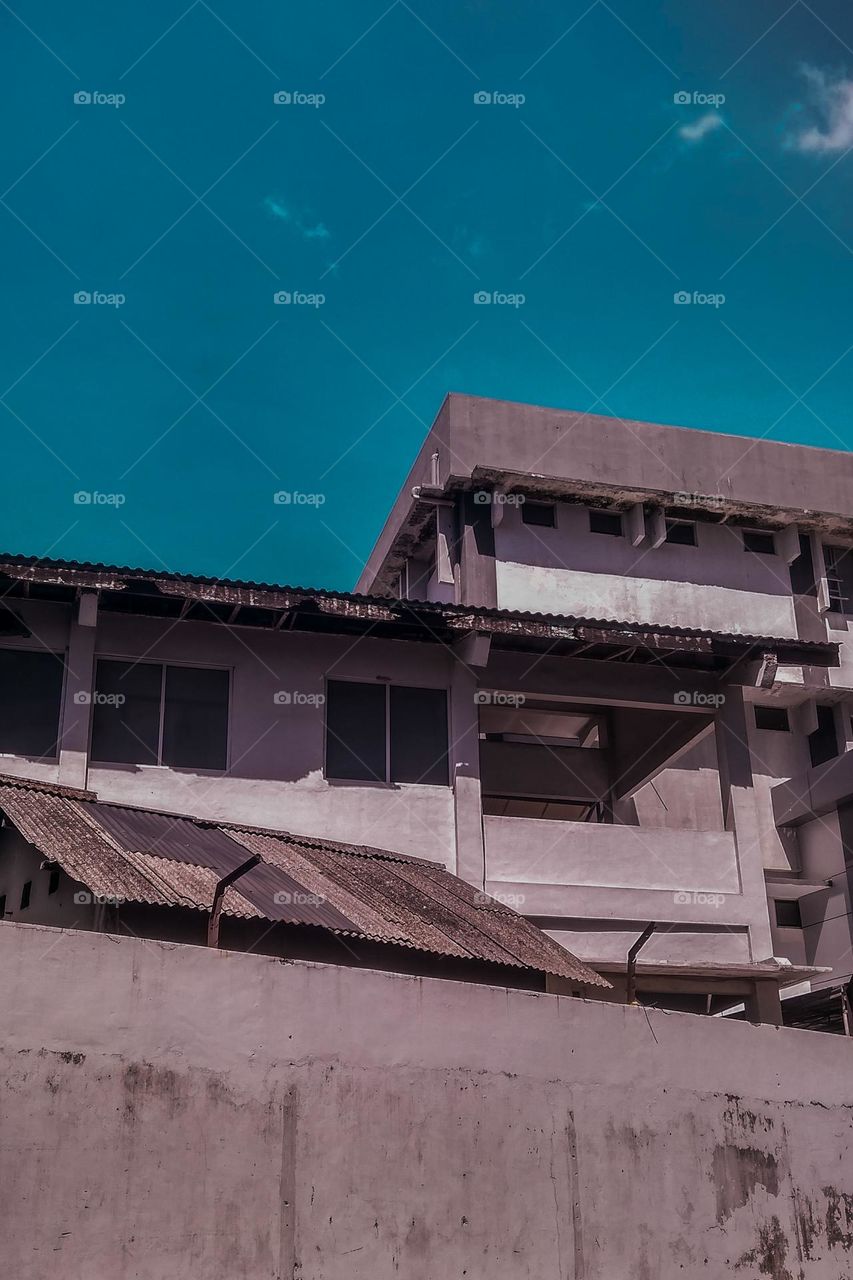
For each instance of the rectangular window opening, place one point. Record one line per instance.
(543, 514)
(53, 882)
(823, 742)
(772, 718)
(788, 913)
(681, 532)
(31, 701)
(607, 522)
(26, 894)
(759, 541)
(386, 733)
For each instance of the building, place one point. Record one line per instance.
(596, 669)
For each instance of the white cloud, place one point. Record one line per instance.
(699, 129)
(834, 101)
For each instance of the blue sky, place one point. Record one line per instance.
(382, 198)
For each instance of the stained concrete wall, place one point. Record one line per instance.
(168, 1111)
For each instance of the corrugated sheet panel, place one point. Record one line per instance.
(169, 860)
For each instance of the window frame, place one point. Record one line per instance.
(613, 515)
(788, 902)
(385, 782)
(763, 533)
(61, 656)
(764, 728)
(671, 522)
(542, 505)
(163, 663)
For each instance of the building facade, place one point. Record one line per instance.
(596, 668)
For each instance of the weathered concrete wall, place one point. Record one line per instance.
(168, 1111)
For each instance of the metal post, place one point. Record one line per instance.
(219, 894)
(630, 984)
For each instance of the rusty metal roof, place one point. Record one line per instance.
(240, 603)
(141, 856)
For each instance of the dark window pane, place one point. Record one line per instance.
(126, 712)
(30, 700)
(26, 893)
(195, 718)
(609, 522)
(823, 743)
(772, 718)
(539, 513)
(682, 532)
(355, 730)
(53, 882)
(788, 914)
(418, 735)
(759, 542)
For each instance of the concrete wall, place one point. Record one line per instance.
(168, 1111)
(570, 570)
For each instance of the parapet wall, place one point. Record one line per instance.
(168, 1111)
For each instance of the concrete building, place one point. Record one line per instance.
(595, 668)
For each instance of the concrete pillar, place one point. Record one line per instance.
(764, 1005)
(465, 760)
(79, 690)
(741, 814)
(477, 573)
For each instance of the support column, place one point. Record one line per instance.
(465, 760)
(478, 583)
(79, 691)
(741, 814)
(764, 1004)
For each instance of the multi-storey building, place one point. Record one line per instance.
(596, 668)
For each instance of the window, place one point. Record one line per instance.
(681, 532)
(802, 570)
(30, 702)
(788, 913)
(2, 906)
(839, 576)
(386, 733)
(759, 541)
(53, 882)
(147, 713)
(543, 514)
(26, 894)
(773, 718)
(609, 522)
(823, 743)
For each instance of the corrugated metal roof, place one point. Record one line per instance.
(161, 859)
(259, 594)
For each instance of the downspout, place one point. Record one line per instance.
(630, 983)
(219, 894)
